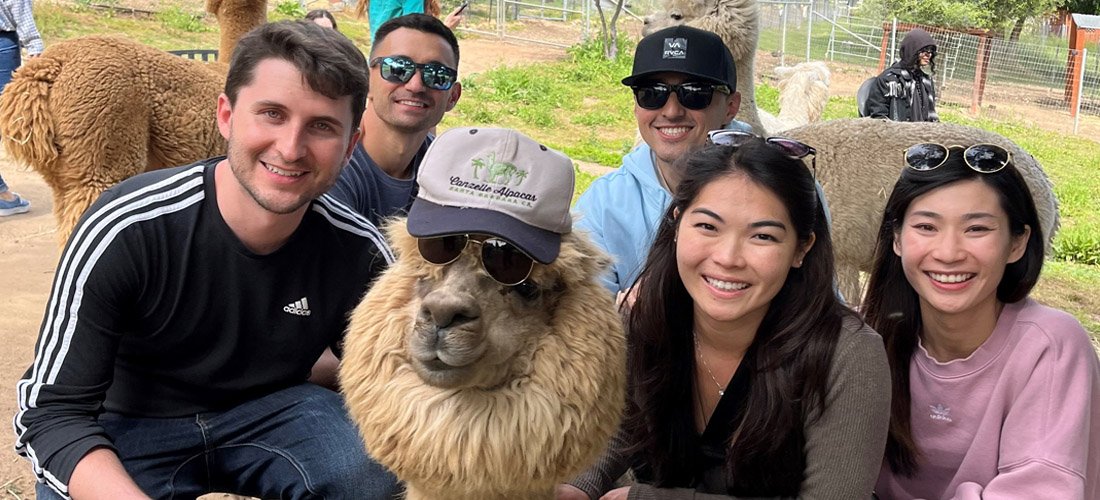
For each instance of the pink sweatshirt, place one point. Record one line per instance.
(1017, 419)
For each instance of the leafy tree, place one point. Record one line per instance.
(1081, 6)
(609, 35)
(962, 14)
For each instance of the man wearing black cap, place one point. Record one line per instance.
(683, 83)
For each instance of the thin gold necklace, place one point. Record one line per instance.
(699, 353)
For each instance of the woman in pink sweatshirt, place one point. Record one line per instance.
(995, 396)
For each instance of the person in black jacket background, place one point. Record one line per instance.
(905, 92)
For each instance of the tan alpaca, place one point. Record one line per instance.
(540, 390)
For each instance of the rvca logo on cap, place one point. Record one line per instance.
(675, 48)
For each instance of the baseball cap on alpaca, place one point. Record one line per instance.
(497, 182)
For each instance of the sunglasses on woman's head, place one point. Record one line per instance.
(400, 69)
(790, 147)
(503, 261)
(691, 95)
(984, 158)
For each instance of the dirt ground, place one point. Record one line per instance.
(29, 249)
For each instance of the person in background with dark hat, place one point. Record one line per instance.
(683, 83)
(904, 92)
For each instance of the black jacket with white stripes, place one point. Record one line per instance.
(158, 310)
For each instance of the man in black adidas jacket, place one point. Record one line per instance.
(190, 303)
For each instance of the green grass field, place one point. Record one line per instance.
(577, 105)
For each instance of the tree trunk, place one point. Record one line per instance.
(1016, 29)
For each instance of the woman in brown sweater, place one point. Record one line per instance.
(747, 376)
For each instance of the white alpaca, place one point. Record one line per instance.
(803, 93)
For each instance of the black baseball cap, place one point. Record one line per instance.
(687, 50)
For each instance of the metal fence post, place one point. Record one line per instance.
(783, 37)
(893, 42)
(1080, 90)
(809, 29)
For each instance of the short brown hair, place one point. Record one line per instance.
(331, 64)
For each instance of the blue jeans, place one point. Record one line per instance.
(296, 443)
(9, 56)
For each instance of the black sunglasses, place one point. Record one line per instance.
(400, 69)
(503, 261)
(984, 158)
(790, 147)
(691, 95)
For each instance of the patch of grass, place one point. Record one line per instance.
(581, 181)
(1071, 287)
(175, 18)
(291, 9)
(576, 105)
(59, 22)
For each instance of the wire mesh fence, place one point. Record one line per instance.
(560, 23)
(985, 75)
(977, 73)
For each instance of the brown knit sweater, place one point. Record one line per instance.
(844, 447)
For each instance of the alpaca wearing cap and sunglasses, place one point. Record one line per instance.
(904, 92)
(995, 395)
(487, 362)
(747, 376)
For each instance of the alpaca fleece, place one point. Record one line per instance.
(803, 94)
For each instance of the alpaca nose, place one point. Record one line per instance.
(448, 309)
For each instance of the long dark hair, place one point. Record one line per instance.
(892, 306)
(792, 350)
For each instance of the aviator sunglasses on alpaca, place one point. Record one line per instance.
(400, 69)
(984, 158)
(790, 147)
(691, 95)
(504, 262)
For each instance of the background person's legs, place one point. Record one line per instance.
(11, 203)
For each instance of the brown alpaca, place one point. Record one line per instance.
(92, 111)
(534, 381)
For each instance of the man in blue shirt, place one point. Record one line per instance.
(413, 82)
(684, 82)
